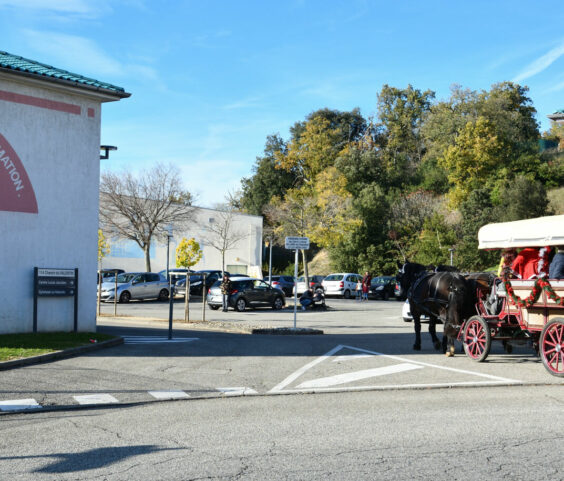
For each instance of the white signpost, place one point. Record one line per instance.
(297, 244)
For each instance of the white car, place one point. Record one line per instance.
(341, 284)
(406, 314)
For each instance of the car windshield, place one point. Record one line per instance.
(379, 281)
(125, 278)
(334, 277)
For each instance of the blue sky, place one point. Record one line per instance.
(211, 79)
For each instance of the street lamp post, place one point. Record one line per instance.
(169, 277)
(268, 244)
(451, 250)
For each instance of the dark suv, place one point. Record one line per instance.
(382, 287)
(247, 292)
(285, 283)
(196, 280)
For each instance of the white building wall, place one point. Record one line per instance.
(60, 153)
(247, 253)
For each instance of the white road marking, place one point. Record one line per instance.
(292, 377)
(281, 387)
(236, 391)
(96, 399)
(462, 371)
(156, 339)
(169, 394)
(19, 405)
(358, 375)
(352, 357)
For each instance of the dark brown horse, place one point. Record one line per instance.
(441, 296)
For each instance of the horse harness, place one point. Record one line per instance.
(436, 300)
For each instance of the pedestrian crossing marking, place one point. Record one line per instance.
(95, 399)
(19, 405)
(236, 391)
(131, 340)
(163, 395)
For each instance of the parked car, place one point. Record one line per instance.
(247, 292)
(196, 281)
(341, 284)
(285, 283)
(108, 274)
(382, 287)
(315, 283)
(407, 317)
(136, 285)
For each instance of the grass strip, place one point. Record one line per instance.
(17, 346)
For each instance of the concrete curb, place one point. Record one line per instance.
(66, 353)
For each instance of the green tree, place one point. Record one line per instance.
(401, 113)
(474, 158)
(103, 247)
(188, 254)
(267, 181)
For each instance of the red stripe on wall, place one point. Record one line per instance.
(39, 102)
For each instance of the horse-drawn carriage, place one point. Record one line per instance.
(530, 310)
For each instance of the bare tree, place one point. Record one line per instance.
(222, 234)
(139, 207)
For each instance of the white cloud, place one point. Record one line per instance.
(82, 55)
(541, 63)
(82, 8)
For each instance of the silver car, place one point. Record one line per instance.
(136, 285)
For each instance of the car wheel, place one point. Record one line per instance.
(163, 295)
(125, 297)
(241, 304)
(278, 304)
(213, 308)
(347, 294)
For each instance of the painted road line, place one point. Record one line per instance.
(161, 395)
(352, 357)
(236, 391)
(292, 377)
(358, 375)
(282, 387)
(95, 399)
(445, 368)
(156, 339)
(19, 405)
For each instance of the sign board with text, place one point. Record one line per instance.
(301, 243)
(48, 282)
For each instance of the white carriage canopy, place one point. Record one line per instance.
(538, 232)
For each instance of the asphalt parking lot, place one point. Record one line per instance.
(365, 346)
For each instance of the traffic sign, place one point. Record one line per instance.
(301, 243)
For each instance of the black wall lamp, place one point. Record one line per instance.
(106, 149)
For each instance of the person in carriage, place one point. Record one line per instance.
(556, 270)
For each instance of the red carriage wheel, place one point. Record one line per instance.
(552, 347)
(477, 339)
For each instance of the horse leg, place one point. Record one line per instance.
(417, 329)
(433, 332)
(450, 350)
